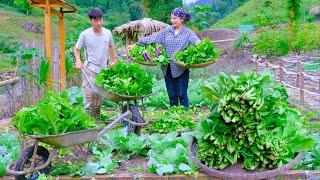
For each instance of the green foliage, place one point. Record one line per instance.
(278, 43)
(256, 13)
(8, 64)
(168, 154)
(9, 150)
(8, 44)
(160, 10)
(250, 120)
(102, 163)
(173, 120)
(39, 76)
(153, 53)
(23, 5)
(272, 42)
(200, 20)
(311, 159)
(242, 41)
(294, 11)
(125, 79)
(52, 115)
(75, 95)
(202, 52)
(307, 38)
(69, 168)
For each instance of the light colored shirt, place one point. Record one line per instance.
(172, 43)
(96, 47)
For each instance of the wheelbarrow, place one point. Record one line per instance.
(136, 120)
(37, 158)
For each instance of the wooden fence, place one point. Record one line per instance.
(307, 84)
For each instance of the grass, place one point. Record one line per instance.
(12, 18)
(255, 13)
(7, 65)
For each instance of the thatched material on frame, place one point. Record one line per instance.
(143, 27)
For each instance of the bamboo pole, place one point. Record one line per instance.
(62, 54)
(48, 41)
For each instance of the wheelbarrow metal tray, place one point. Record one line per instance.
(69, 139)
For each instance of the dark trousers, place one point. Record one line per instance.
(177, 88)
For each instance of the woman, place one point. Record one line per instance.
(175, 38)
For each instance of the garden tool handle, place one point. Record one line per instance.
(88, 79)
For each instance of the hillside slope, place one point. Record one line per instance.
(254, 12)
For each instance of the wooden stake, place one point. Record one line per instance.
(48, 42)
(62, 55)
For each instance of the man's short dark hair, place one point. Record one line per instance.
(95, 13)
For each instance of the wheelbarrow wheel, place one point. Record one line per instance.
(24, 162)
(136, 117)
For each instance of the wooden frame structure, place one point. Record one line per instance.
(57, 8)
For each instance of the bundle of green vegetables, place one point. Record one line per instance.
(172, 120)
(250, 121)
(153, 53)
(125, 79)
(202, 52)
(51, 116)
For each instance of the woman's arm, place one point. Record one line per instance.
(154, 38)
(193, 38)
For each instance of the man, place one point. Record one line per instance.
(97, 43)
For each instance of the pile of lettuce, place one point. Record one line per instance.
(251, 121)
(52, 115)
(125, 79)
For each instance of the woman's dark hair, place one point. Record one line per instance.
(95, 13)
(188, 17)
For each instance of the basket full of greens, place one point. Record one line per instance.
(149, 55)
(202, 54)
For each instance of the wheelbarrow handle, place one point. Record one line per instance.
(27, 171)
(109, 126)
(135, 123)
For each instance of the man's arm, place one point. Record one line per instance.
(113, 55)
(76, 52)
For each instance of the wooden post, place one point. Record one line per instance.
(281, 70)
(62, 54)
(298, 74)
(301, 82)
(48, 41)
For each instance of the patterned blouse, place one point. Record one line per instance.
(172, 43)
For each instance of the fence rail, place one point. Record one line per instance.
(281, 71)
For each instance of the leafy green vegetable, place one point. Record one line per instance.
(9, 150)
(168, 154)
(52, 115)
(311, 159)
(250, 120)
(102, 163)
(174, 119)
(200, 53)
(153, 53)
(125, 79)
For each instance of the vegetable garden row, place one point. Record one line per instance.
(248, 129)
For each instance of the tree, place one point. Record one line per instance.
(202, 17)
(23, 5)
(160, 9)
